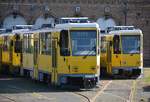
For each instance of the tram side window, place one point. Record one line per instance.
(116, 44)
(25, 43)
(18, 44)
(28, 43)
(64, 43)
(6, 44)
(45, 43)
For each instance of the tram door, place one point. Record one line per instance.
(116, 54)
(54, 61)
(35, 57)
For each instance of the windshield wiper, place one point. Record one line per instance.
(93, 48)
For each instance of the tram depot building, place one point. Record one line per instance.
(105, 12)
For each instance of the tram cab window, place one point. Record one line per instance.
(116, 44)
(64, 43)
(18, 44)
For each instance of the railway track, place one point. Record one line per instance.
(101, 91)
(132, 93)
(84, 96)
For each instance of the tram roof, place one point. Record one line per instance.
(58, 27)
(127, 32)
(76, 25)
(40, 30)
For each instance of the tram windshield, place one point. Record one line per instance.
(130, 44)
(83, 42)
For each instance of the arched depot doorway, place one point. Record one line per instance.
(13, 20)
(44, 22)
(105, 23)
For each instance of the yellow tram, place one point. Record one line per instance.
(68, 54)
(122, 53)
(11, 52)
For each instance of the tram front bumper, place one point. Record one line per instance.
(78, 80)
(126, 70)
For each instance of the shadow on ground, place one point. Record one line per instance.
(9, 85)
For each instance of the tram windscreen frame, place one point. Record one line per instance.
(83, 42)
(130, 44)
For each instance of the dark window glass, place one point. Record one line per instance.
(64, 43)
(116, 44)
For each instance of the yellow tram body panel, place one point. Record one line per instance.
(44, 63)
(126, 60)
(27, 61)
(131, 60)
(88, 65)
(16, 60)
(5, 57)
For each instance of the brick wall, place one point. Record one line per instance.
(138, 12)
